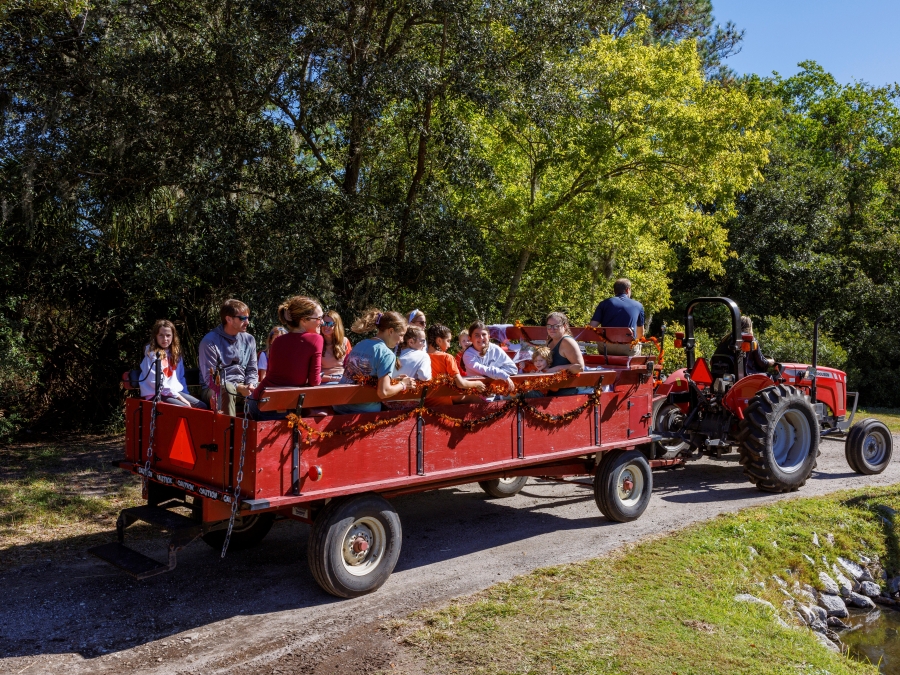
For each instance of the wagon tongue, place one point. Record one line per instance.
(183, 531)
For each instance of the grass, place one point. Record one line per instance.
(890, 416)
(51, 493)
(667, 605)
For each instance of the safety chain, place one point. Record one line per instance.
(240, 476)
(153, 414)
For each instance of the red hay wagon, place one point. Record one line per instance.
(225, 479)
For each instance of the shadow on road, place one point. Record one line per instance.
(71, 602)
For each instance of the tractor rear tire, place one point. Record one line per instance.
(779, 439)
(501, 488)
(666, 417)
(246, 533)
(623, 483)
(869, 447)
(354, 545)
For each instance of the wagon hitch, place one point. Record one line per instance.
(183, 531)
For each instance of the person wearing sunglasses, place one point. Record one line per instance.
(337, 347)
(227, 358)
(295, 359)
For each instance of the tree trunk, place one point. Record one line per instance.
(514, 284)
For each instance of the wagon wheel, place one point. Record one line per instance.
(868, 447)
(247, 533)
(503, 487)
(622, 485)
(354, 545)
(779, 439)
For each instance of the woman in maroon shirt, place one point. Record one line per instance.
(295, 359)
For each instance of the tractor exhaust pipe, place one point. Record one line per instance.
(815, 358)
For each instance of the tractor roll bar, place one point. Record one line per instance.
(689, 341)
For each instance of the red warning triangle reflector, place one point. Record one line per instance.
(182, 450)
(700, 374)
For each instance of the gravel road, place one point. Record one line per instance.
(260, 611)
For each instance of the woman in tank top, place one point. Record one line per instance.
(564, 350)
(336, 349)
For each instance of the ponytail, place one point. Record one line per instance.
(376, 320)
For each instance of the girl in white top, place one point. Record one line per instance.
(414, 359)
(486, 359)
(164, 343)
(262, 359)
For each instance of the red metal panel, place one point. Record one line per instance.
(542, 438)
(639, 416)
(614, 418)
(447, 447)
(199, 423)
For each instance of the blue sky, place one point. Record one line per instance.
(851, 39)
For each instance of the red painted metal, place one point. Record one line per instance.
(384, 460)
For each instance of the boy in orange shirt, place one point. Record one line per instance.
(442, 363)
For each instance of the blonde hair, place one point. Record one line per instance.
(174, 348)
(544, 353)
(338, 337)
(376, 320)
(411, 333)
(293, 310)
(274, 332)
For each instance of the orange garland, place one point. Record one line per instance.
(533, 383)
(366, 427)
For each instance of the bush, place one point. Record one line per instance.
(790, 340)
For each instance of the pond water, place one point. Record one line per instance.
(876, 640)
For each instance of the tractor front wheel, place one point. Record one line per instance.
(869, 447)
(779, 439)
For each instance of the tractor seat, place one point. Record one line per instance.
(721, 364)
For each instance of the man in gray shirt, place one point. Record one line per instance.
(232, 349)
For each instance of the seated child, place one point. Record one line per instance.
(464, 343)
(541, 359)
(173, 388)
(262, 359)
(444, 364)
(374, 357)
(414, 361)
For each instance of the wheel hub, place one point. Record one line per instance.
(357, 544)
(873, 448)
(630, 484)
(791, 441)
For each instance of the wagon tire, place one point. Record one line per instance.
(354, 545)
(247, 532)
(623, 483)
(779, 439)
(503, 487)
(869, 447)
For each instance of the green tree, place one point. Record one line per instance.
(626, 150)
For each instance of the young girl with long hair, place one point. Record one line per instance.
(487, 359)
(374, 357)
(414, 360)
(262, 359)
(337, 347)
(165, 344)
(443, 363)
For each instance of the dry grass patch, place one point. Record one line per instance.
(52, 494)
(890, 416)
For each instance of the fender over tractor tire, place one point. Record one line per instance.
(623, 483)
(247, 532)
(779, 439)
(503, 487)
(869, 447)
(354, 545)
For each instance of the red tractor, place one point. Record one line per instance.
(775, 421)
